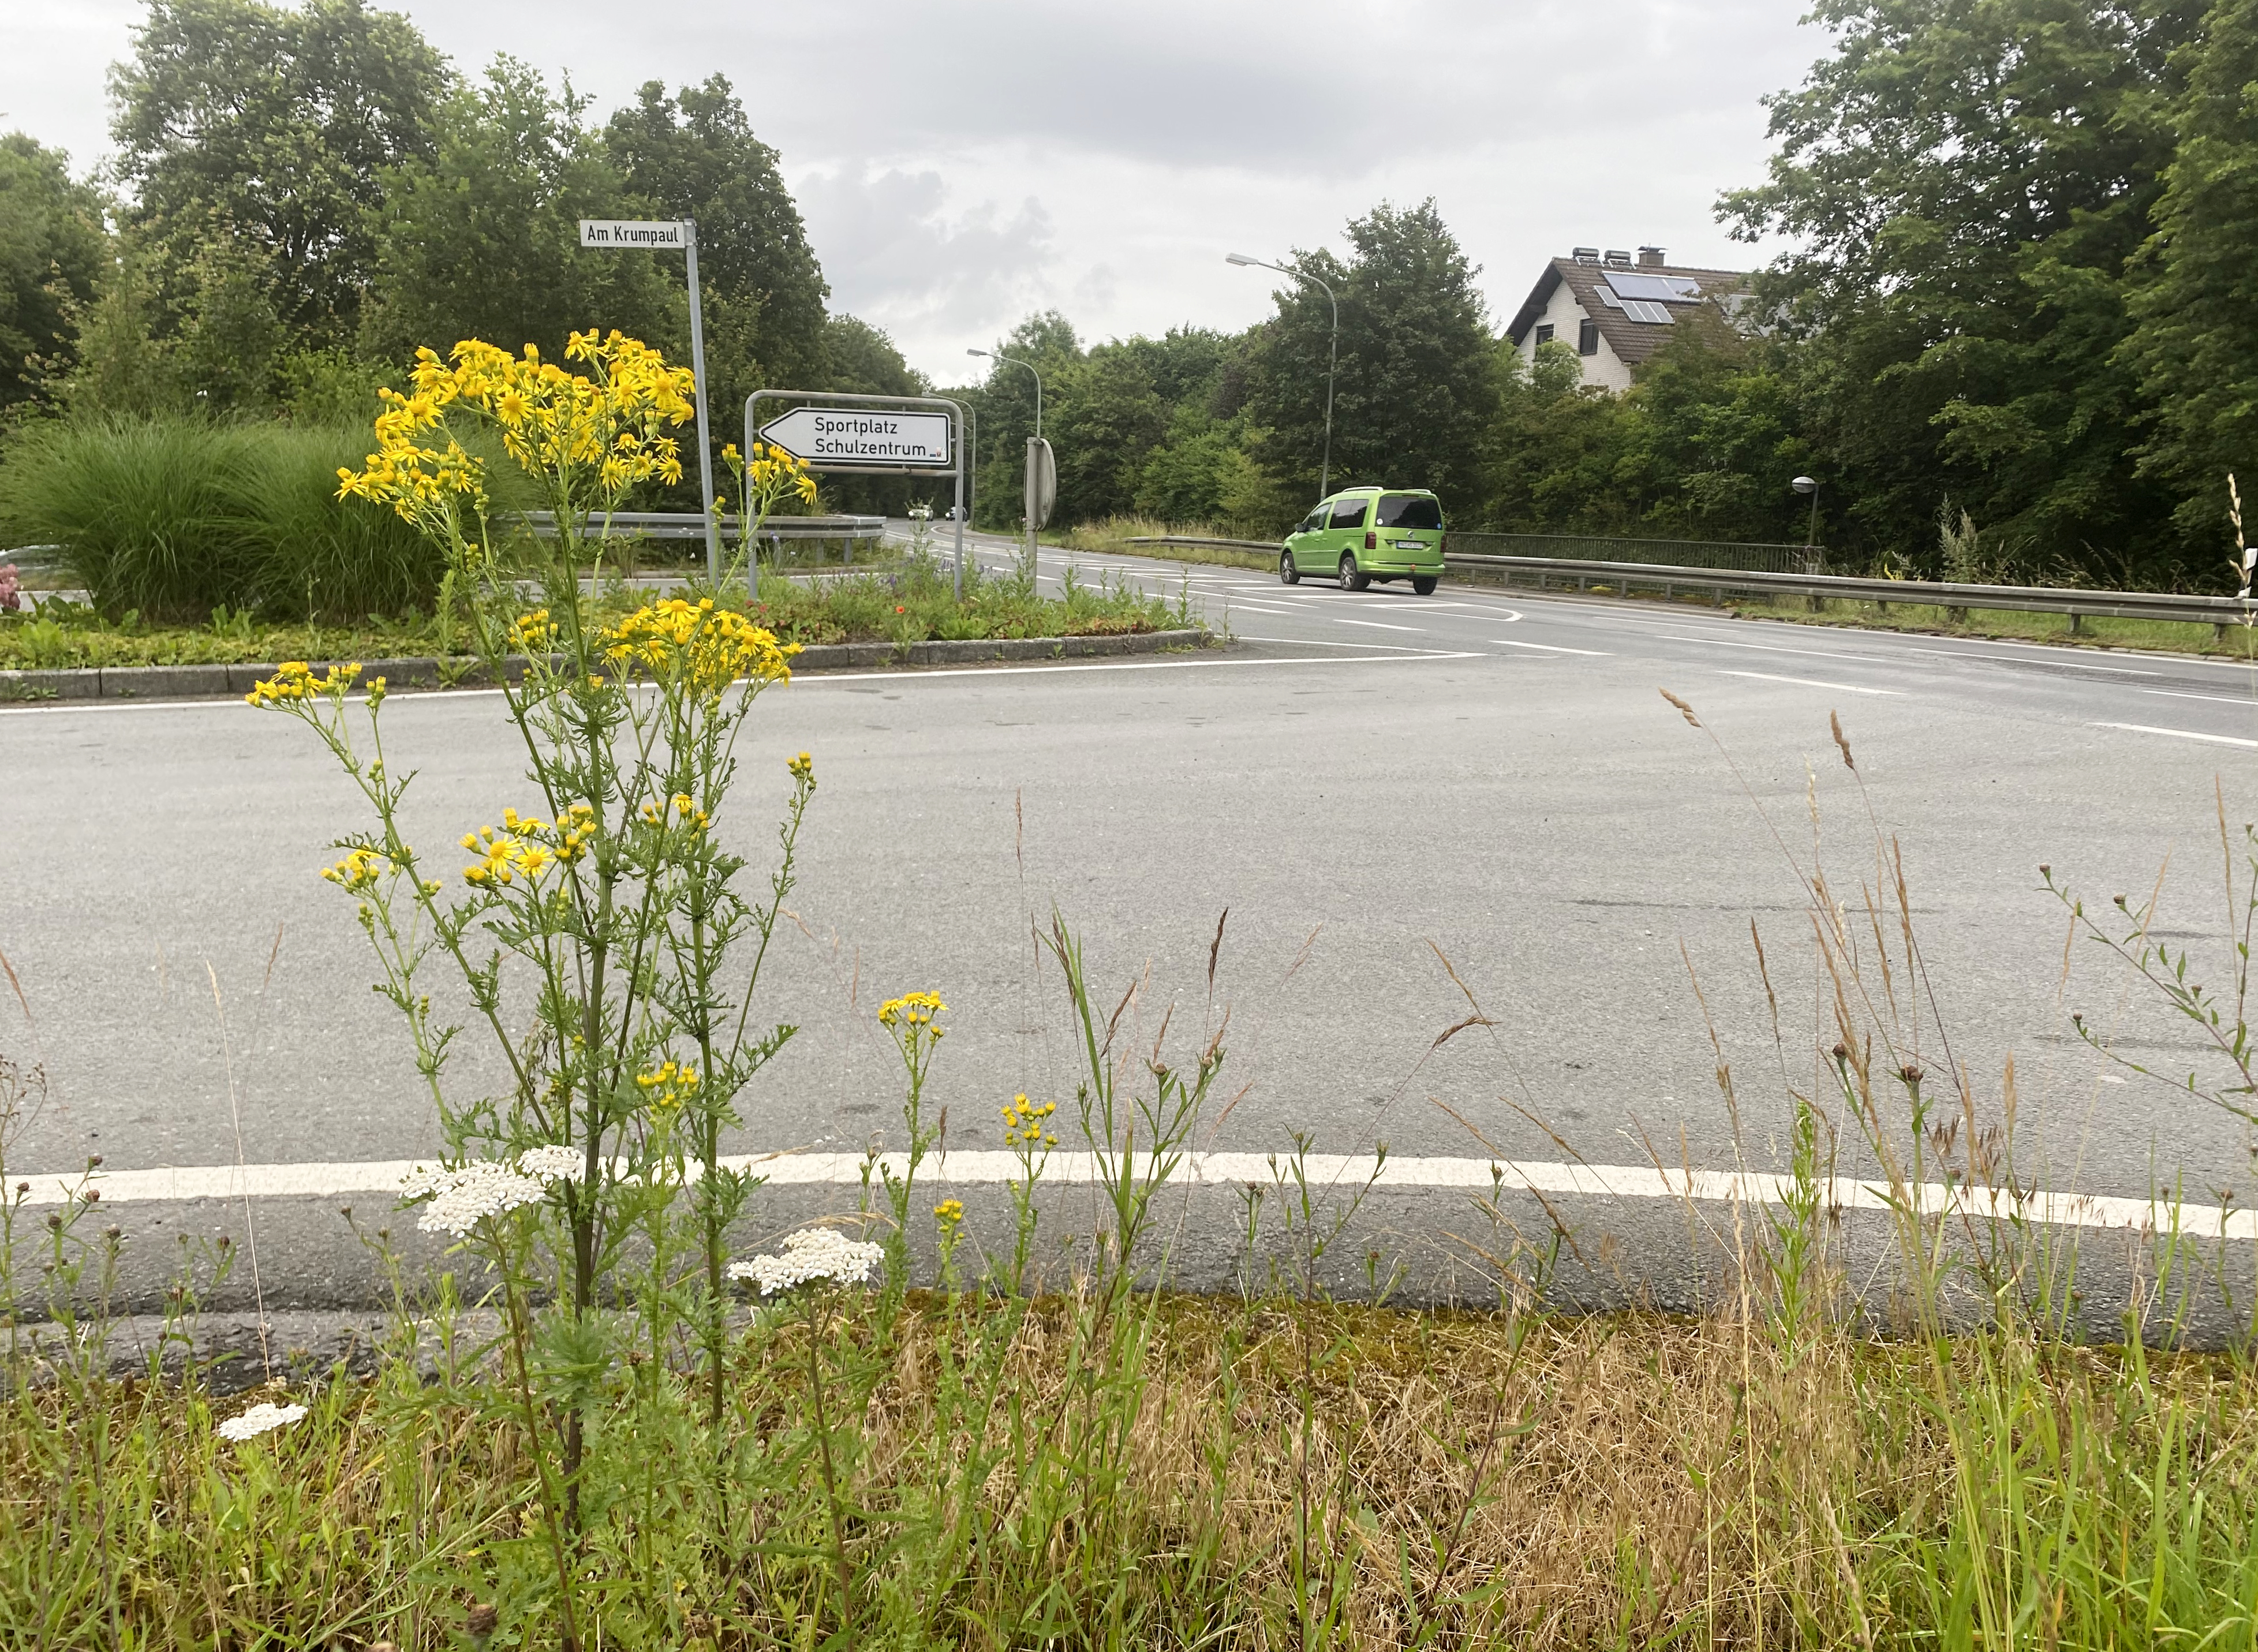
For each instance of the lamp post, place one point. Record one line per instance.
(996, 355)
(1333, 358)
(1810, 486)
(992, 355)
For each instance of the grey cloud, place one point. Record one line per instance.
(896, 256)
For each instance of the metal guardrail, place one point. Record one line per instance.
(1682, 553)
(691, 525)
(1674, 553)
(2079, 604)
(1668, 578)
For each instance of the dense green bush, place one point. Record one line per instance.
(176, 515)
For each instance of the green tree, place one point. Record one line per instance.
(279, 125)
(52, 251)
(1965, 180)
(694, 156)
(1004, 404)
(2195, 344)
(120, 365)
(862, 359)
(1417, 377)
(1711, 439)
(1104, 419)
(228, 352)
(1554, 452)
(483, 240)
(1183, 479)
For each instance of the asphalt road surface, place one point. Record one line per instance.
(1370, 784)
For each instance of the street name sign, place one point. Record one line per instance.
(835, 436)
(633, 233)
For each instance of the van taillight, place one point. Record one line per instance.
(1372, 541)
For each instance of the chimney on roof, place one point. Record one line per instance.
(1585, 255)
(1649, 257)
(1617, 258)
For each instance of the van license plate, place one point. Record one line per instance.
(1409, 544)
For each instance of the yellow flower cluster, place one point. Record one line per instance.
(1023, 1124)
(803, 770)
(533, 632)
(525, 847)
(294, 680)
(949, 1212)
(358, 871)
(506, 857)
(912, 1011)
(605, 428)
(773, 476)
(685, 810)
(697, 646)
(669, 1084)
(423, 484)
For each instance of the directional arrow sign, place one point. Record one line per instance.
(633, 233)
(834, 436)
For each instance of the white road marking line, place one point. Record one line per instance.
(1767, 647)
(235, 700)
(834, 678)
(328, 1180)
(2074, 665)
(1548, 648)
(1317, 642)
(1806, 682)
(2250, 700)
(1416, 631)
(2180, 733)
(1509, 614)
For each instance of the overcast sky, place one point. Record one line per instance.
(960, 165)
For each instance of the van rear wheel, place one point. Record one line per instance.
(1288, 574)
(1423, 584)
(1352, 577)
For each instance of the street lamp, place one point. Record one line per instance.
(1033, 447)
(1810, 486)
(1332, 359)
(998, 356)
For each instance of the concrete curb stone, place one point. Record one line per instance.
(198, 681)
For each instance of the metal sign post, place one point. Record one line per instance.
(668, 235)
(874, 436)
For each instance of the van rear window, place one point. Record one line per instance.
(1408, 510)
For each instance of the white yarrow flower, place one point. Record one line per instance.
(261, 1418)
(553, 1163)
(812, 1253)
(460, 1197)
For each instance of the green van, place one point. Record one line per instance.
(1364, 534)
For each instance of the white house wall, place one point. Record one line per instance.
(1606, 369)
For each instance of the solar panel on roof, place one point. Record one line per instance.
(1640, 310)
(1660, 289)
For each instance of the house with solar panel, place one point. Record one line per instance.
(1614, 313)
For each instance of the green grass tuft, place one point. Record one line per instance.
(173, 517)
